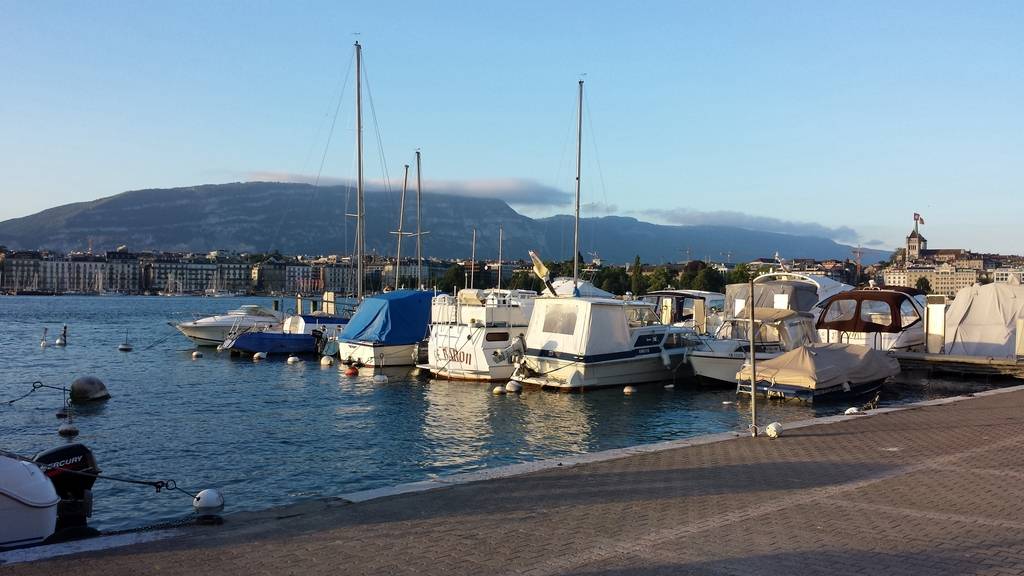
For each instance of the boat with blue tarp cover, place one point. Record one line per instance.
(386, 328)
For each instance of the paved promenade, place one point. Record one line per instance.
(930, 490)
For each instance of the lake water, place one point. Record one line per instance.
(271, 433)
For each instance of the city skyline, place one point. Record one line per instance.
(834, 121)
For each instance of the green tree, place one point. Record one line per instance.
(613, 279)
(740, 274)
(659, 279)
(454, 278)
(526, 281)
(924, 285)
(636, 278)
(710, 280)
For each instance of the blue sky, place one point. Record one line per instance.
(837, 118)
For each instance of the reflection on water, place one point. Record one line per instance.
(268, 433)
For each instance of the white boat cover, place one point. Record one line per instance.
(586, 327)
(822, 366)
(563, 287)
(982, 320)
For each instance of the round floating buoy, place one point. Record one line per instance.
(293, 359)
(124, 347)
(852, 410)
(209, 501)
(88, 389)
(498, 390)
(197, 355)
(62, 413)
(326, 361)
(351, 371)
(629, 390)
(208, 504)
(259, 356)
(513, 387)
(773, 430)
(380, 379)
(68, 430)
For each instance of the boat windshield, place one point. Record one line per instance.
(641, 316)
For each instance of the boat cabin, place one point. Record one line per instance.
(471, 307)
(883, 319)
(689, 308)
(777, 330)
(592, 329)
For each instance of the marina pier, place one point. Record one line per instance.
(932, 488)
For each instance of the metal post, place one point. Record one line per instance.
(576, 228)
(360, 247)
(501, 232)
(472, 262)
(753, 365)
(419, 238)
(401, 217)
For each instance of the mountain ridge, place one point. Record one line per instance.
(305, 219)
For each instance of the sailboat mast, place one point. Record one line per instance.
(501, 232)
(472, 261)
(401, 217)
(360, 224)
(419, 238)
(576, 229)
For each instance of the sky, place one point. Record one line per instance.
(838, 119)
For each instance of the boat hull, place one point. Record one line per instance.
(215, 334)
(461, 352)
(571, 375)
(368, 354)
(273, 343)
(807, 395)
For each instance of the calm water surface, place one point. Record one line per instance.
(271, 433)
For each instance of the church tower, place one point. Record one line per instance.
(916, 243)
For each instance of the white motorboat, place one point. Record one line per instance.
(213, 330)
(466, 331)
(28, 503)
(574, 343)
(883, 319)
(716, 359)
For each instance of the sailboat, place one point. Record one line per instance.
(579, 342)
(386, 328)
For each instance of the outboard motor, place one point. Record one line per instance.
(75, 490)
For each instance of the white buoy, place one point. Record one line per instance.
(513, 387)
(629, 390)
(124, 347)
(326, 361)
(727, 402)
(197, 355)
(209, 501)
(259, 356)
(67, 430)
(380, 379)
(773, 430)
(669, 386)
(208, 505)
(293, 359)
(498, 390)
(852, 410)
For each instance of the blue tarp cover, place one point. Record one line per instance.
(399, 317)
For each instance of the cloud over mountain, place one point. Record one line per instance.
(688, 217)
(514, 191)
